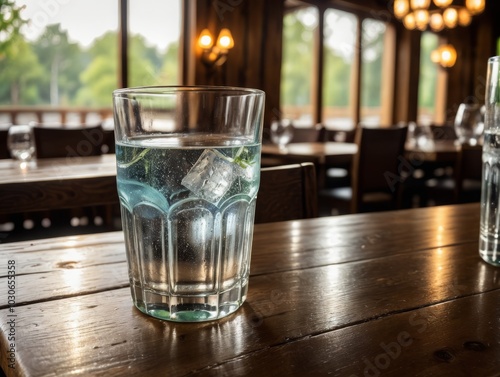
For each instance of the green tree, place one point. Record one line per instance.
(170, 70)
(100, 77)
(19, 74)
(296, 70)
(62, 61)
(10, 24)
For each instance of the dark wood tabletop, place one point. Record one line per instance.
(400, 293)
(55, 183)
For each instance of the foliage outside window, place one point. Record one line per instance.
(428, 80)
(338, 78)
(372, 73)
(298, 65)
(67, 53)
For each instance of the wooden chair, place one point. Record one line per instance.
(4, 151)
(375, 177)
(465, 184)
(72, 142)
(308, 135)
(287, 192)
(53, 142)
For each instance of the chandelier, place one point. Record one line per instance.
(421, 14)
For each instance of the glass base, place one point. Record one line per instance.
(189, 308)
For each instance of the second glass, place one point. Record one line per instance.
(21, 143)
(188, 172)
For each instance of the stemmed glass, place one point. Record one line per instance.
(21, 143)
(281, 132)
(468, 123)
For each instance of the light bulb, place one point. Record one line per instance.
(450, 17)
(436, 22)
(475, 6)
(401, 8)
(464, 17)
(409, 21)
(443, 3)
(205, 41)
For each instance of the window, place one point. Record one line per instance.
(67, 55)
(356, 81)
(432, 81)
(154, 33)
(297, 71)
(339, 77)
(375, 80)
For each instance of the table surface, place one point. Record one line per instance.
(56, 183)
(400, 293)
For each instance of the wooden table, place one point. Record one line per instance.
(441, 151)
(313, 152)
(48, 184)
(386, 294)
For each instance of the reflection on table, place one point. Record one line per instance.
(372, 294)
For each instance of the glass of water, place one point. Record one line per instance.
(21, 143)
(282, 132)
(188, 172)
(468, 123)
(489, 238)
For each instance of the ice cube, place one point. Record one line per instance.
(211, 176)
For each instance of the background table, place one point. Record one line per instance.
(56, 183)
(399, 293)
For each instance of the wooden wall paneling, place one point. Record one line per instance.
(272, 56)
(407, 73)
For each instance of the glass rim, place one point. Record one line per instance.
(494, 59)
(174, 89)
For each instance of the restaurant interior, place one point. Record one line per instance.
(334, 73)
(352, 241)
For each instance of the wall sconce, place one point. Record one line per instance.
(215, 55)
(445, 56)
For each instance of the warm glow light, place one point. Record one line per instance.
(409, 21)
(443, 3)
(445, 55)
(225, 40)
(401, 8)
(436, 22)
(421, 19)
(205, 40)
(450, 17)
(443, 13)
(475, 6)
(420, 4)
(464, 17)
(215, 55)
(448, 56)
(435, 56)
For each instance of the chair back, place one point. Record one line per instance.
(287, 192)
(342, 136)
(308, 135)
(468, 170)
(443, 132)
(375, 165)
(68, 142)
(4, 150)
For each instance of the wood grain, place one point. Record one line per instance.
(395, 293)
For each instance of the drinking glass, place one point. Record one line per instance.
(468, 124)
(188, 172)
(21, 143)
(489, 238)
(282, 132)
